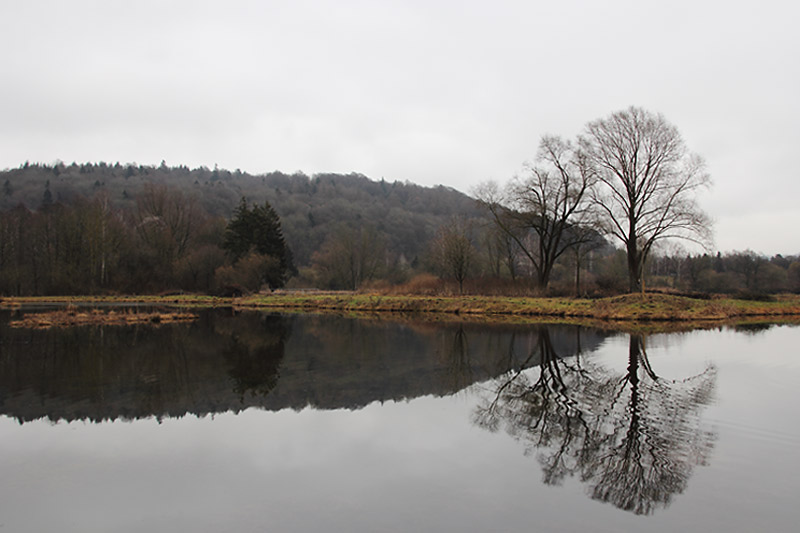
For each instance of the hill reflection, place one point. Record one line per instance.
(229, 362)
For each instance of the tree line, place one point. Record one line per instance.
(744, 273)
(588, 216)
(310, 207)
(165, 242)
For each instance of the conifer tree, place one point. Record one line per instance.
(257, 230)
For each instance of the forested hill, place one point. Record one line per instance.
(405, 215)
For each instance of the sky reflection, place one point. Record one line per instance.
(420, 463)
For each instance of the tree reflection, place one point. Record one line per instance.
(254, 360)
(229, 361)
(633, 439)
(457, 360)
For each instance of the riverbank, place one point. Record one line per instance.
(630, 307)
(72, 316)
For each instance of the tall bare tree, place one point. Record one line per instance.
(550, 199)
(452, 250)
(647, 182)
(350, 257)
(166, 221)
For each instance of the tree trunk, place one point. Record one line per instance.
(543, 275)
(634, 353)
(634, 267)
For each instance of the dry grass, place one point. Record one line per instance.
(636, 307)
(629, 308)
(71, 316)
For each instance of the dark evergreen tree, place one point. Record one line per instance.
(257, 230)
(239, 232)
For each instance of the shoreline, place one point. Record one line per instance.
(628, 308)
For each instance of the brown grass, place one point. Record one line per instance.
(71, 316)
(629, 308)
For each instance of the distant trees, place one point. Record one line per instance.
(165, 221)
(743, 273)
(403, 216)
(59, 249)
(793, 276)
(349, 257)
(647, 183)
(165, 241)
(15, 251)
(452, 251)
(311, 208)
(134, 228)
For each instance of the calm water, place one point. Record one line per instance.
(254, 422)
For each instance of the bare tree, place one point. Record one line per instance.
(350, 257)
(586, 239)
(453, 252)
(548, 201)
(647, 182)
(500, 250)
(166, 219)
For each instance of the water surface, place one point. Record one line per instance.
(248, 422)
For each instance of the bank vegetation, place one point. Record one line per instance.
(628, 309)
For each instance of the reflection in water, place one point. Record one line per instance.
(633, 439)
(254, 362)
(232, 361)
(101, 373)
(457, 358)
(753, 328)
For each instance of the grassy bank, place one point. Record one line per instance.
(650, 307)
(630, 307)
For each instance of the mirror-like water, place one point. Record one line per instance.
(248, 422)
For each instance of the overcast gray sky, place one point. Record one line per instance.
(447, 92)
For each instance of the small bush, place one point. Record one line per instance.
(754, 296)
(421, 284)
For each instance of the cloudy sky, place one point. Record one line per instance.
(433, 92)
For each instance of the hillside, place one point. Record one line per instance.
(100, 228)
(311, 208)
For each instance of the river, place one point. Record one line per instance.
(261, 421)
